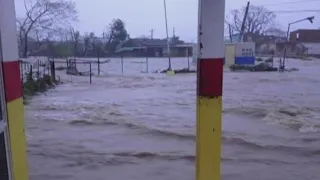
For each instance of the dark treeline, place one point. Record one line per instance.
(46, 30)
(75, 44)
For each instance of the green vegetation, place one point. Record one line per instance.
(80, 45)
(32, 87)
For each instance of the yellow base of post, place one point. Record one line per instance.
(208, 152)
(17, 139)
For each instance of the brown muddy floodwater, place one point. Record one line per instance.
(142, 126)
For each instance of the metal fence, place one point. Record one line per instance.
(79, 67)
(152, 65)
(36, 69)
(93, 67)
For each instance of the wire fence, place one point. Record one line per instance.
(123, 65)
(80, 67)
(119, 66)
(36, 69)
(94, 67)
(153, 65)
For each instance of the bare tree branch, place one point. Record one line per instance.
(277, 32)
(44, 15)
(259, 19)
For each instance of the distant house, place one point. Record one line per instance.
(293, 49)
(260, 38)
(234, 38)
(273, 45)
(310, 38)
(143, 47)
(265, 44)
(87, 42)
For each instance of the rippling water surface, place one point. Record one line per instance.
(142, 125)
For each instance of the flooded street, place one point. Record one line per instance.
(140, 126)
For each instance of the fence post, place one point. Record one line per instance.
(38, 65)
(122, 64)
(188, 59)
(48, 64)
(30, 73)
(44, 70)
(90, 74)
(53, 71)
(21, 69)
(21, 72)
(147, 64)
(98, 65)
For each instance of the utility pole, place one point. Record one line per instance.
(244, 22)
(282, 63)
(151, 33)
(168, 40)
(174, 32)
(230, 33)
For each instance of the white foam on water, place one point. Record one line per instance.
(73, 129)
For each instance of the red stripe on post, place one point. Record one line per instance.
(210, 77)
(12, 81)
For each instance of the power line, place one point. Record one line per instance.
(291, 2)
(298, 11)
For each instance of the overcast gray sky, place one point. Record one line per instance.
(141, 16)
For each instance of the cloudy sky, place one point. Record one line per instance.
(141, 16)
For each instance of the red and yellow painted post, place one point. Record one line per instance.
(209, 88)
(14, 115)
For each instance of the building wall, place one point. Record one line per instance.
(266, 48)
(245, 49)
(230, 53)
(306, 35)
(194, 53)
(245, 53)
(240, 53)
(235, 53)
(178, 51)
(313, 48)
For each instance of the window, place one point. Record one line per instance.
(247, 52)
